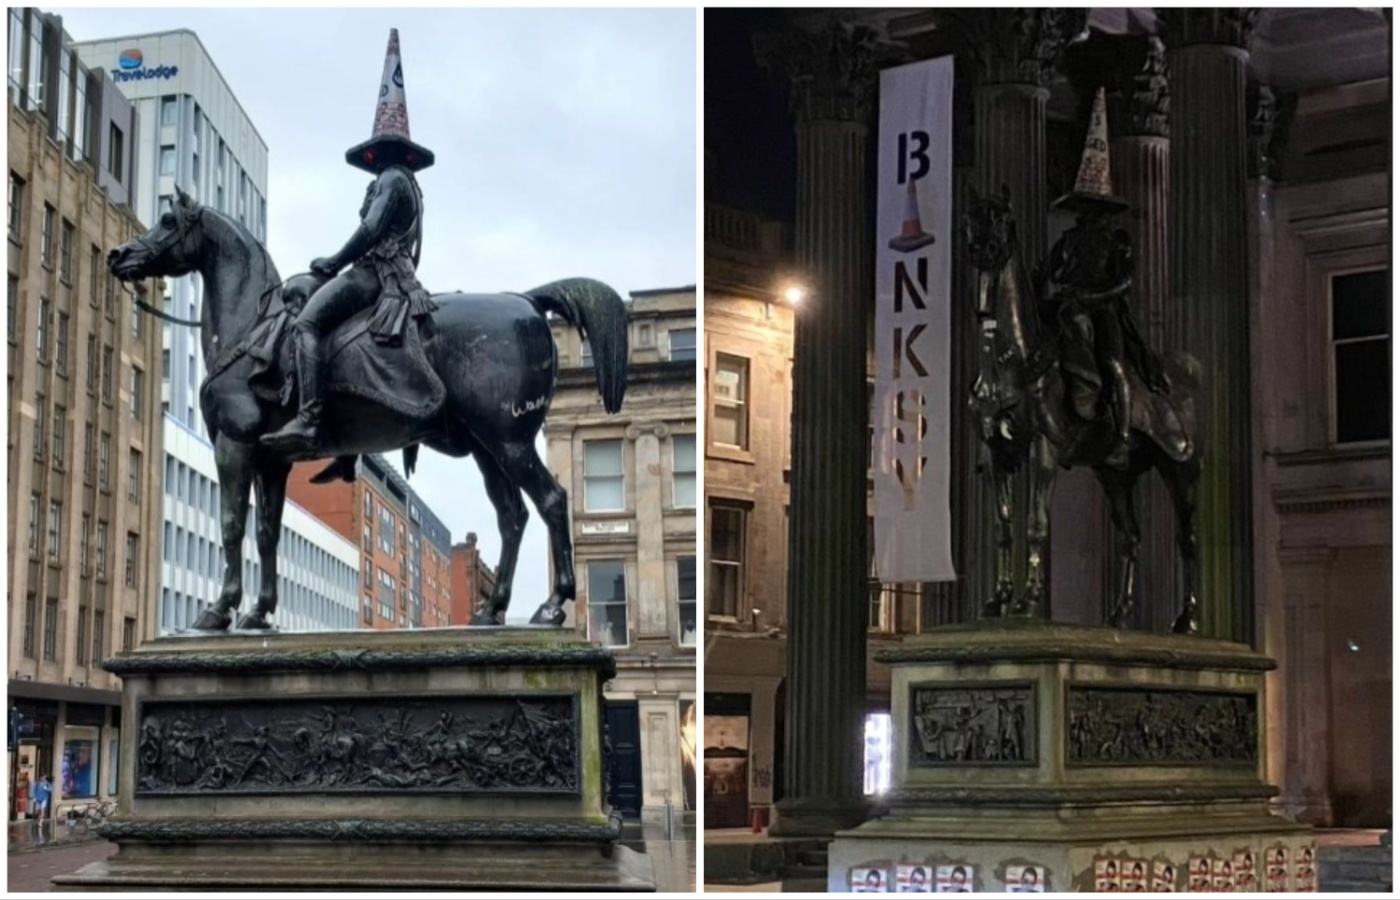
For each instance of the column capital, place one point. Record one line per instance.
(1018, 45)
(1139, 97)
(1187, 26)
(831, 72)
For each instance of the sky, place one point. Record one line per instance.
(565, 144)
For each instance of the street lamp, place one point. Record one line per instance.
(794, 294)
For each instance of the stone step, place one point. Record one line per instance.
(812, 858)
(805, 885)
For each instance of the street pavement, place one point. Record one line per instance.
(673, 863)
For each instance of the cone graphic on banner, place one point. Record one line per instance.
(389, 143)
(911, 235)
(1093, 187)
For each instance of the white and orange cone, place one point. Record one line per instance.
(911, 234)
(389, 142)
(1093, 186)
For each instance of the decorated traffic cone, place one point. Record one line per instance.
(1093, 187)
(389, 143)
(911, 235)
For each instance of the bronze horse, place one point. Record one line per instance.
(494, 354)
(1020, 402)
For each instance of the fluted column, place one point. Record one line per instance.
(1014, 52)
(832, 75)
(1138, 117)
(1209, 311)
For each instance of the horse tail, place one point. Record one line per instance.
(600, 316)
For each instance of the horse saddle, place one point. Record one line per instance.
(397, 376)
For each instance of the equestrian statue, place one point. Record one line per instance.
(1070, 382)
(356, 357)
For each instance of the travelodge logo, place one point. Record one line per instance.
(129, 68)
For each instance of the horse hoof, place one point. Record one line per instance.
(486, 617)
(1186, 624)
(254, 622)
(212, 620)
(548, 615)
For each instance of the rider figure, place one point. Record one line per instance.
(1090, 272)
(377, 264)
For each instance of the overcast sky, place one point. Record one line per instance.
(565, 143)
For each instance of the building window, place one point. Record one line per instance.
(133, 477)
(104, 460)
(16, 219)
(38, 64)
(41, 333)
(99, 627)
(46, 237)
(40, 432)
(386, 530)
(65, 252)
(137, 321)
(101, 549)
(85, 537)
(607, 602)
(167, 160)
(133, 543)
(92, 367)
(168, 111)
(602, 476)
(685, 597)
(682, 344)
(51, 628)
(81, 644)
(116, 152)
(34, 501)
(61, 348)
(12, 306)
(89, 452)
(128, 633)
(94, 267)
(138, 392)
(60, 435)
(683, 475)
(55, 530)
(1361, 356)
(731, 391)
(726, 582)
(31, 611)
(107, 374)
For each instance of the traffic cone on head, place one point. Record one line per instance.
(1093, 186)
(911, 235)
(389, 143)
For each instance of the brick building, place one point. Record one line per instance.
(405, 550)
(472, 580)
(83, 436)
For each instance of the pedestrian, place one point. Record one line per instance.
(43, 791)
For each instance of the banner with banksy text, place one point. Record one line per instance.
(914, 235)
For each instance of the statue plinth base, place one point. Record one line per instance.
(442, 759)
(1058, 747)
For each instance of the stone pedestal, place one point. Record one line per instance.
(446, 759)
(1026, 744)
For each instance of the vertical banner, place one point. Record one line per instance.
(913, 537)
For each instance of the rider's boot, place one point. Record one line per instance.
(1122, 415)
(299, 436)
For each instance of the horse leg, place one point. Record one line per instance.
(511, 516)
(1038, 526)
(529, 471)
(270, 486)
(235, 463)
(1000, 602)
(1118, 486)
(1181, 484)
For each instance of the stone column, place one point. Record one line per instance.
(1138, 105)
(1014, 52)
(1209, 311)
(832, 75)
(653, 604)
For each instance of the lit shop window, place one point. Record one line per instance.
(879, 752)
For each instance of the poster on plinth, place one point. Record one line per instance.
(913, 293)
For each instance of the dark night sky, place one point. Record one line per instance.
(747, 125)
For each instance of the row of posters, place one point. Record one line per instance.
(952, 878)
(1283, 870)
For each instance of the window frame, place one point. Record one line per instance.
(620, 476)
(1333, 342)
